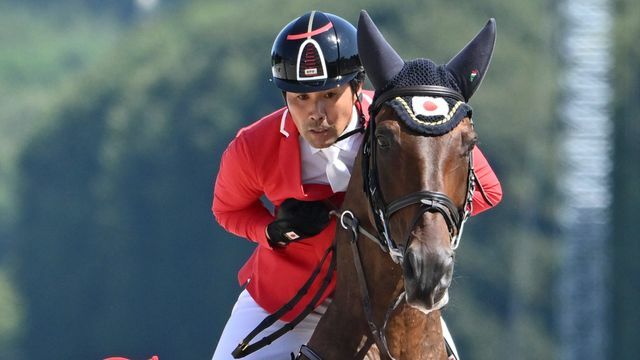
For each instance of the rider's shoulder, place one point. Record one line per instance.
(265, 126)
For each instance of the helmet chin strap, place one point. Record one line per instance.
(350, 133)
(358, 106)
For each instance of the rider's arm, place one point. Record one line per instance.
(488, 181)
(236, 196)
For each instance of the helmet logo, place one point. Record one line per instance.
(311, 64)
(310, 61)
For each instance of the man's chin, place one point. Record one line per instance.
(320, 140)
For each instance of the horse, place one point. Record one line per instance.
(416, 169)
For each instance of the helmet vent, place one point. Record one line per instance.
(311, 64)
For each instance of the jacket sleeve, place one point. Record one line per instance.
(236, 195)
(488, 182)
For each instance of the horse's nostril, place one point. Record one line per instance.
(448, 273)
(445, 281)
(413, 268)
(438, 293)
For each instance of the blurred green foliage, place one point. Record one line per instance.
(112, 125)
(11, 317)
(40, 54)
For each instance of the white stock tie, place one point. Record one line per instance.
(337, 172)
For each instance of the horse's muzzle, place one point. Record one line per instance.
(427, 276)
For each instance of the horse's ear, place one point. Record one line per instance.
(380, 60)
(472, 62)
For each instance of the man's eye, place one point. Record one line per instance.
(302, 97)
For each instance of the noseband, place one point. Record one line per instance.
(428, 201)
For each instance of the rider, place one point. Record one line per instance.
(300, 158)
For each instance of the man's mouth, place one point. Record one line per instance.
(319, 130)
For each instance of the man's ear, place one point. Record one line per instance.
(356, 90)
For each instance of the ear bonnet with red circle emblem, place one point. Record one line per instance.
(315, 52)
(430, 99)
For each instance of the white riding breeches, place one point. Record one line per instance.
(247, 314)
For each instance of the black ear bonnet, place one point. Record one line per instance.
(424, 114)
(430, 99)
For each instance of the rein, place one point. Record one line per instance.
(245, 348)
(349, 222)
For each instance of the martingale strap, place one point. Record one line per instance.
(377, 334)
(245, 348)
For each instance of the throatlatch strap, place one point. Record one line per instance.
(350, 133)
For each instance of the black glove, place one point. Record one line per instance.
(297, 220)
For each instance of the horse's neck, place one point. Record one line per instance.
(415, 335)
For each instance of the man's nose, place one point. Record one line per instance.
(318, 112)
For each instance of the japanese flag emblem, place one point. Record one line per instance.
(429, 106)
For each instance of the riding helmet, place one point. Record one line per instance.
(315, 52)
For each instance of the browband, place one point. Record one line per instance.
(426, 90)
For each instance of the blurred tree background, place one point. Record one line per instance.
(625, 244)
(113, 118)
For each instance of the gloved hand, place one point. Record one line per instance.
(297, 220)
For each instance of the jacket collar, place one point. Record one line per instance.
(289, 155)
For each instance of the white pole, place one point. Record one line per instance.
(585, 180)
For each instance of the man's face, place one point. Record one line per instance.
(322, 116)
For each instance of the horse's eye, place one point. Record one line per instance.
(383, 142)
(473, 143)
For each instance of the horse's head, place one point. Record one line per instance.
(418, 167)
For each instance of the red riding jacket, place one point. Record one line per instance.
(264, 159)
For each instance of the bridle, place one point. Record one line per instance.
(428, 201)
